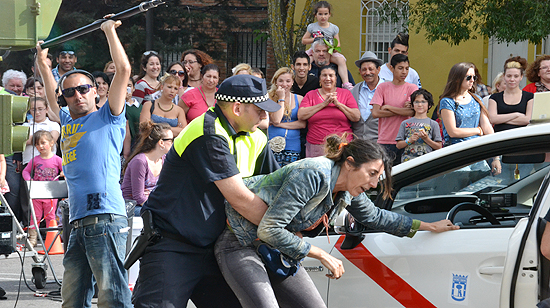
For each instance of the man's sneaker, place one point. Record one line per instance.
(347, 86)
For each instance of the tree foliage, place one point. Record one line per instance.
(285, 35)
(456, 21)
(176, 28)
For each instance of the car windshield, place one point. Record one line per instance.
(474, 179)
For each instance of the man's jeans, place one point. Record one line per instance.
(97, 249)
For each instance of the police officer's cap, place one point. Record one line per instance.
(246, 89)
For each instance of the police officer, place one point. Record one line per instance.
(205, 167)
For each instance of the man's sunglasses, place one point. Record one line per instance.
(469, 77)
(70, 53)
(174, 72)
(82, 89)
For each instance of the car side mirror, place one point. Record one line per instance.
(346, 225)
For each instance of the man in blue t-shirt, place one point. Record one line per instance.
(91, 141)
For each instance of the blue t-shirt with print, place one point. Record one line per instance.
(91, 147)
(466, 116)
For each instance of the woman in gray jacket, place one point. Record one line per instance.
(302, 199)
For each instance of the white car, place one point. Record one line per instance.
(492, 261)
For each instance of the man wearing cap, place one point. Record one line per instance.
(65, 62)
(369, 67)
(204, 168)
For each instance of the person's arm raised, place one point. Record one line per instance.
(117, 90)
(49, 81)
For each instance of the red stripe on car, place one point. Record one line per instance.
(387, 279)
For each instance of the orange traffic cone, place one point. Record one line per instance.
(57, 248)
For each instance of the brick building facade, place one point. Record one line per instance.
(238, 44)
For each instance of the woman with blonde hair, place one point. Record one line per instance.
(163, 109)
(242, 68)
(284, 127)
(512, 108)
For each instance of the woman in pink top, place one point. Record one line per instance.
(328, 110)
(196, 101)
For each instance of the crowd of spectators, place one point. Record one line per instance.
(388, 106)
(314, 102)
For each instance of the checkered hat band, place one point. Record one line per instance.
(247, 100)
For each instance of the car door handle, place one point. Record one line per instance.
(491, 270)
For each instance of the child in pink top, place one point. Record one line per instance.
(44, 167)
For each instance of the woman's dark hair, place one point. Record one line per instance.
(515, 62)
(42, 134)
(210, 67)
(30, 82)
(532, 72)
(104, 76)
(143, 62)
(321, 4)
(328, 67)
(427, 95)
(202, 57)
(454, 82)
(398, 58)
(185, 76)
(149, 135)
(362, 151)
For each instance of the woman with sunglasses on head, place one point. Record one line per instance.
(194, 60)
(147, 83)
(163, 109)
(462, 112)
(196, 101)
(141, 170)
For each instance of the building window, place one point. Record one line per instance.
(376, 36)
(247, 47)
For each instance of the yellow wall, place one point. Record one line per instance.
(433, 61)
(346, 15)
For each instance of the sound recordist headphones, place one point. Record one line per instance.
(60, 98)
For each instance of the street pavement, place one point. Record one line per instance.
(12, 282)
